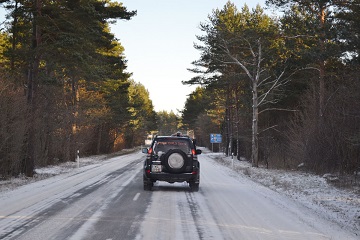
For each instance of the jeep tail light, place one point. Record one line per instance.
(193, 152)
(150, 150)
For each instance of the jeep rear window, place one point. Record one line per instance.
(165, 145)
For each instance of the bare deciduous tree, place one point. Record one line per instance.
(262, 83)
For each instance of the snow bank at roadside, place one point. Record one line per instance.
(50, 171)
(337, 205)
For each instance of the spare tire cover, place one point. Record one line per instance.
(175, 160)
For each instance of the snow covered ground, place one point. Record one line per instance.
(341, 206)
(50, 171)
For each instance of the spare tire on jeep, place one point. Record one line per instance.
(175, 161)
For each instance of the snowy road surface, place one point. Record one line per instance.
(106, 201)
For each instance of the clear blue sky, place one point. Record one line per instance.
(159, 48)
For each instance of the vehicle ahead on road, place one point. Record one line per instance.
(172, 159)
(148, 140)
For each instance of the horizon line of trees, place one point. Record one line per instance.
(282, 90)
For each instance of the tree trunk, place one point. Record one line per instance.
(31, 92)
(230, 132)
(74, 119)
(237, 127)
(227, 121)
(99, 139)
(322, 62)
(14, 35)
(255, 117)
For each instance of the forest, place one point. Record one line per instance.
(283, 90)
(64, 85)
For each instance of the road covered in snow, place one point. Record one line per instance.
(105, 200)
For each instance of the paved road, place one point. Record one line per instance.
(107, 202)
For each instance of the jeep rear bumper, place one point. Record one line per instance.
(173, 177)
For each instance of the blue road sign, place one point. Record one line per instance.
(215, 138)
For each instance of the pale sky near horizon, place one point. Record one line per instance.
(159, 48)
(158, 44)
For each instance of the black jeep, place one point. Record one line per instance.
(172, 159)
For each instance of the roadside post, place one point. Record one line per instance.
(78, 159)
(232, 160)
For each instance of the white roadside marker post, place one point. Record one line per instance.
(78, 159)
(232, 160)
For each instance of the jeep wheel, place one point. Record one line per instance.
(194, 186)
(175, 160)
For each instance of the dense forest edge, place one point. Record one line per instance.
(283, 90)
(65, 88)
